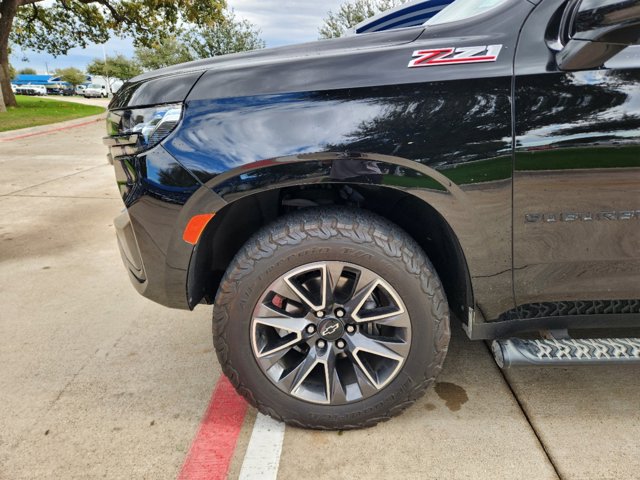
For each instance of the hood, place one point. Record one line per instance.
(311, 49)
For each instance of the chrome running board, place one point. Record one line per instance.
(565, 351)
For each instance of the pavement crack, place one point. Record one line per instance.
(526, 415)
(22, 437)
(71, 380)
(89, 359)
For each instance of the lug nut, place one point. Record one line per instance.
(321, 344)
(341, 343)
(320, 314)
(311, 328)
(339, 313)
(350, 328)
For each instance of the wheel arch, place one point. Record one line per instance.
(224, 235)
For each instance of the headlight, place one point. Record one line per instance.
(135, 130)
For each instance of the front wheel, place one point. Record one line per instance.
(331, 319)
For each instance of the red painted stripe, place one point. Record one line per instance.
(213, 446)
(51, 130)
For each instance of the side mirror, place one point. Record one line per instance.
(593, 31)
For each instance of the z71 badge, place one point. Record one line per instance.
(454, 56)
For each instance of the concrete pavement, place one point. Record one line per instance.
(96, 381)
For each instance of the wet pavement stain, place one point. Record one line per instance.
(453, 395)
(430, 407)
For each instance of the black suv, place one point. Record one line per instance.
(338, 202)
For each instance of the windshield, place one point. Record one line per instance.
(462, 9)
(95, 85)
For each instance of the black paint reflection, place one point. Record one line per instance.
(158, 175)
(420, 123)
(586, 110)
(298, 169)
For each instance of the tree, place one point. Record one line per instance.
(117, 66)
(163, 53)
(71, 75)
(55, 26)
(2, 107)
(352, 13)
(27, 71)
(228, 36)
(12, 73)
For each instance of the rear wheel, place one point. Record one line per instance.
(331, 319)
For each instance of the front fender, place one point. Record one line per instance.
(447, 143)
(476, 234)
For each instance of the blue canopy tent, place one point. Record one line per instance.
(26, 79)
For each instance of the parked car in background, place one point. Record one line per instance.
(14, 87)
(60, 89)
(80, 89)
(39, 90)
(95, 90)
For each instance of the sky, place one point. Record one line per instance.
(282, 22)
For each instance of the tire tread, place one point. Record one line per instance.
(360, 227)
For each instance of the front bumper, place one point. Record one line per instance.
(149, 230)
(129, 250)
(157, 262)
(161, 197)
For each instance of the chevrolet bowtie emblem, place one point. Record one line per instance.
(330, 329)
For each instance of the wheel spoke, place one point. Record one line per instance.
(268, 360)
(360, 296)
(305, 296)
(381, 348)
(292, 325)
(358, 303)
(365, 278)
(399, 347)
(366, 384)
(334, 390)
(283, 289)
(302, 371)
(266, 311)
(337, 393)
(396, 319)
(333, 273)
(361, 344)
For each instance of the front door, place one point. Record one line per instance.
(576, 178)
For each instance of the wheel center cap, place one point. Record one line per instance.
(331, 329)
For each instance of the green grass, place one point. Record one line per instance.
(544, 160)
(34, 111)
(572, 158)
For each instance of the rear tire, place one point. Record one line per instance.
(382, 298)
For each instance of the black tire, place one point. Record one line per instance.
(342, 235)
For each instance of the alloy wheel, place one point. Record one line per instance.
(330, 333)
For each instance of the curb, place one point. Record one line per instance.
(51, 128)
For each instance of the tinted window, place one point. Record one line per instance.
(462, 9)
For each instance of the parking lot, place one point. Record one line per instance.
(96, 381)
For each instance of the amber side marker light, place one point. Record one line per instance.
(195, 227)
